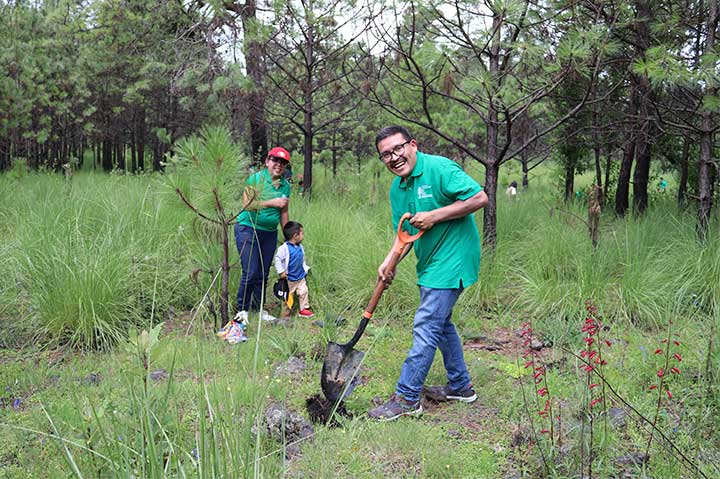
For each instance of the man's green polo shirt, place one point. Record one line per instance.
(448, 254)
(265, 219)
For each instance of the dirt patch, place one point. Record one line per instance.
(181, 323)
(508, 343)
(468, 420)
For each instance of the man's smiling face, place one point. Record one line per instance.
(398, 154)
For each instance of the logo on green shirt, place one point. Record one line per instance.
(424, 191)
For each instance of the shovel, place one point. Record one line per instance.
(342, 361)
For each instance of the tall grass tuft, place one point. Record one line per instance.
(81, 262)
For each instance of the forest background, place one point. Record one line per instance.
(106, 107)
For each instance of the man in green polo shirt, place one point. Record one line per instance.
(442, 199)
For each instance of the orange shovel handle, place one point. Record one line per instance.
(402, 239)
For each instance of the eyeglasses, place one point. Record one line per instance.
(396, 150)
(281, 161)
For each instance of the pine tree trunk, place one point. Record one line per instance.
(308, 107)
(107, 150)
(570, 163)
(490, 211)
(253, 65)
(707, 142)
(684, 172)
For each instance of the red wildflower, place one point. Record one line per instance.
(544, 431)
(653, 387)
(661, 372)
(675, 370)
(677, 343)
(542, 391)
(677, 356)
(658, 351)
(593, 385)
(594, 402)
(669, 394)
(528, 364)
(589, 341)
(608, 343)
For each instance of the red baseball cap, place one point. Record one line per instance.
(279, 152)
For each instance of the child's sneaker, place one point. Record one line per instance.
(265, 316)
(306, 313)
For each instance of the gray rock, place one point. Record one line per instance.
(618, 417)
(93, 379)
(159, 374)
(537, 345)
(285, 426)
(292, 367)
(632, 459)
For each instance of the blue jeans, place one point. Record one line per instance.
(256, 248)
(433, 329)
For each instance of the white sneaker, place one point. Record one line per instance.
(265, 316)
(241, 317)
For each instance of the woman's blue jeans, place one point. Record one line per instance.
(256, 248)
(433, 329)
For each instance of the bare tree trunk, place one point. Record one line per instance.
(594, 210)
(490, 211)
(492, 167)
(107, 162)
(645, 123)
(622, 193)
(524, 160)
(334, 153)
(705, 173)
(141, 138)
(253, 64)
(308, 108)
(225, 279)
(608, 166)
(684, 172)
(571, 162)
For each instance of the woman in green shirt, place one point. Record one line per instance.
(267, 195)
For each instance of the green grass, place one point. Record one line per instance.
(84, 260)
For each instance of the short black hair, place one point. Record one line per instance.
(390, 131)
(290, 229)
(513, 184)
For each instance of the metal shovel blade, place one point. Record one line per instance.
(339, 372)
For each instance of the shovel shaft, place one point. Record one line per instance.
(380, 286)
(374, 300)
(401, 240)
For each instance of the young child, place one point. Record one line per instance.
(290, 264)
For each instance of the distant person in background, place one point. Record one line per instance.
(511, 191)
(290, 264)
(662, 185)
(266, 196)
